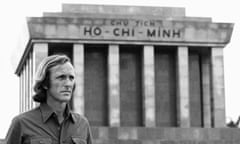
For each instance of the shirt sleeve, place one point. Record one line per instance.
(14, 134)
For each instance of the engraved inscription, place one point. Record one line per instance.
(130, 29)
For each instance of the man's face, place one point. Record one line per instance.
(61, 82)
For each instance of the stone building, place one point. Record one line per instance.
(144, 74)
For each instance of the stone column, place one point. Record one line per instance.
(21, 93)
(114, 85)
(40, 51)
(218, 87)
(206, 90)
(78, 62)
(31, 78)
(183, 87)
(149, 86)
(24, 88)
(27, 85)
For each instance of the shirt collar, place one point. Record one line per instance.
(47, 112)
(70, 114)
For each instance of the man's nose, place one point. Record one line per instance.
(68, 82)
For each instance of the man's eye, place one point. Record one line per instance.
(71, 77)
(61, 77)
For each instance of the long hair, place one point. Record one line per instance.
(42, 75)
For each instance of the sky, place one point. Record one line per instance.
(13, 14)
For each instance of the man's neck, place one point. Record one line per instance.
(59, 108)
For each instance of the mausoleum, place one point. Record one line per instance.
(144, 75)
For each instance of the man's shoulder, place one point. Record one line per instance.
(80, 118)
(25, 115)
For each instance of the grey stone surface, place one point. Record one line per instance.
(89, 15)
(124, 10)
(131, 30)
(171, 136)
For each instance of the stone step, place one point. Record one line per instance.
(157, 135)
(112, 141)
(143, 133)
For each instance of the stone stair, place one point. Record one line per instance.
(141, 135)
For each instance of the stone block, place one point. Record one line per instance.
(167, 142)
(214, 134)
(129, 142)
(150, 133)
(204, 134)
(186, 133)
(226, 133)
(150, 141)
(103, 133)
(106, 141)
(127, 133)
(113, 132)
(171, 133)
(235, 142)
(95, 132)
(235, 133)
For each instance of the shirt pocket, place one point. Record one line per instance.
(77, 140)
(40, 141)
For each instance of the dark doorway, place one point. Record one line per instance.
(131, 85)
(95, 84)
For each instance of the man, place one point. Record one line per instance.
(52, 122)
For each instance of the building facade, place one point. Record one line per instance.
(143, 74)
